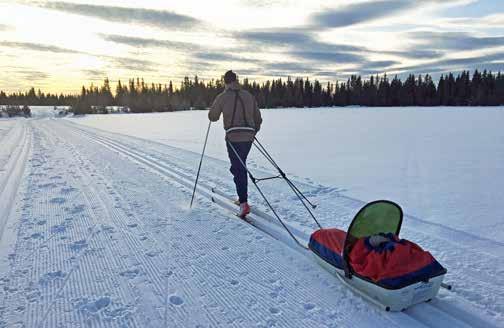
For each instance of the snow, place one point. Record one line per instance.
(443, 165)
(97, 230)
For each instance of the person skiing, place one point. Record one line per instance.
(242, 120)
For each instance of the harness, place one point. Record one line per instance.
(234, 127)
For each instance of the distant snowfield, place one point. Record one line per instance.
(443, 165)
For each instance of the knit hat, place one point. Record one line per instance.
(229, 77)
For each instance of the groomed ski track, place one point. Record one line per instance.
(98, 234)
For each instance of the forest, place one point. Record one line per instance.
(479, 89)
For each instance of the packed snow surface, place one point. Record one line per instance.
(443, 165)
(96, 229)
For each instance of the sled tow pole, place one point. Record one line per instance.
(281, 175)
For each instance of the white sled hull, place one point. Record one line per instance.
(388, 299)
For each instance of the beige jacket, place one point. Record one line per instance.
(225, 102)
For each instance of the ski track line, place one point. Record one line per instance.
(7, 140)
(319, 322)
(230, 305)
(57, 289)
(5, 127)
(137, 155)
(185, 314)
(113, 217)
(37, 265)
(152, 267)
(139, 224)
(11, 177)
(202, 188)
(9, 194)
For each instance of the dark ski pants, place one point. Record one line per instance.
(239, 172)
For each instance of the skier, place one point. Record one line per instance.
(242, 120)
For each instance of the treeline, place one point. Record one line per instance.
(480, 89)
(36, 98)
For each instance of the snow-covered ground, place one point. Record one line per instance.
(96, 229)
(443, 165)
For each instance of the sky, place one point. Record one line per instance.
(58, 46)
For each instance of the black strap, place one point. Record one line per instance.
(237, 97)
(243, 108)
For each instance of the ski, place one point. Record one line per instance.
(246, 218)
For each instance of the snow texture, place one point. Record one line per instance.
(96, 229)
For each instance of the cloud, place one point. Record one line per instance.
(291, 38)
(302, 45)
(223, 57)
(153, 17)
(4, 27)
(333, 57)
(30, 75)
(414, 53)
(275, 37)
(265, 3)
(489, 21)
(147, 42)
(132, 64)
(380, 64)
(94, 74)
(495, 60)
(288, 67)
(456, 40)
(39, 47)
(358, 13)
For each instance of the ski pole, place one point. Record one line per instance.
(201, 161)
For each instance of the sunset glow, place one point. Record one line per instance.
(58, 46)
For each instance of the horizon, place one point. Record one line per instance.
(69, 44)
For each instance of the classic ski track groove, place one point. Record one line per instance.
(112, 217)
(11, 175)
(7, 139)
(137, 156)
(133, 245)
(92, 239)
(220, 276)
(8, 196)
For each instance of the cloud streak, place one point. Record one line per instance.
(39, 47)
(223, 57)
(152, 17)
(132, 64)
(456, 40)
(362, 12)
(30, 75)
(148, 42)
(359, 12)
(496, 60)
